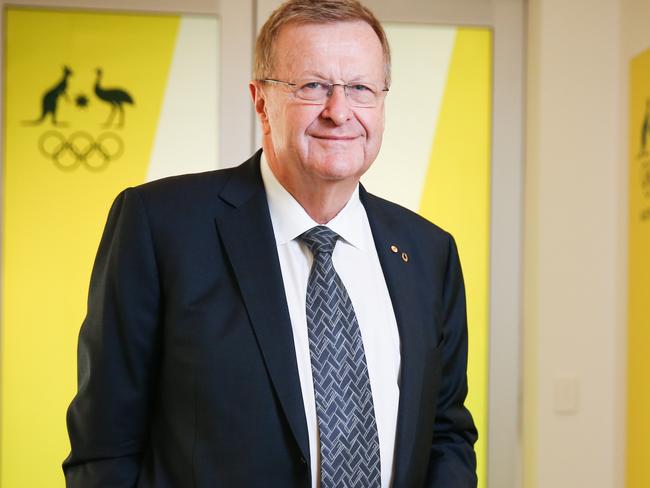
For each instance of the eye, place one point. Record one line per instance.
(313, 85)
(361, 88)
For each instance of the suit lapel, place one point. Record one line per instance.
(247, 235)
(401, 282)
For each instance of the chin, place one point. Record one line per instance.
(338, 165)
(340, 169)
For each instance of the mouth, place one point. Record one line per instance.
(328, 137)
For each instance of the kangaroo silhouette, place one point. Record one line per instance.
(116, 97)
(51, 98)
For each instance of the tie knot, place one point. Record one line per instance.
(320, 239)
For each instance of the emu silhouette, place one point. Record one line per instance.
(116, 97)
(51, 98)
(645, 130)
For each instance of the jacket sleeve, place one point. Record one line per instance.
(117, 354)
(452, 461)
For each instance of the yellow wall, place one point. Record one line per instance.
(635, 45)
(456, 196)
(53, 218)
(638, 385)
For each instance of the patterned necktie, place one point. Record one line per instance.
(349, 443)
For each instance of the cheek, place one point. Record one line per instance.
(296, 125)
(374, 126)
(372, 121)
(375, 132)
(378, 124)
(281, 129)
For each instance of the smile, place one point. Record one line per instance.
(335, 138)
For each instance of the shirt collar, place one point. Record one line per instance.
(290, 220)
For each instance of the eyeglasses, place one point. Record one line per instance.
(362, 95)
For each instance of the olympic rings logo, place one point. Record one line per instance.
(80, 148)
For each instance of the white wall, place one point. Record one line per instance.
(636, 35)
(575, 233)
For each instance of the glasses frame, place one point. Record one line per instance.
(330, 90)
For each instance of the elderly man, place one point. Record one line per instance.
(275, 325)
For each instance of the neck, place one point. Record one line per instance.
(322, 203)
(321, 199)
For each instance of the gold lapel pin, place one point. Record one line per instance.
(395, 249)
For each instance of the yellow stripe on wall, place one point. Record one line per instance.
(638, 387)
(53, 216)
(457, 197)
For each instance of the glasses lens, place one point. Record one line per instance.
(361, 95)
(313, 91)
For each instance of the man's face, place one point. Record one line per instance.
(307, 143)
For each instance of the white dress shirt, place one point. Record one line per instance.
(356, 261)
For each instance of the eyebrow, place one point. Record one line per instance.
(321, 76)
(315, 74)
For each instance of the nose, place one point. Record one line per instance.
(337, 108)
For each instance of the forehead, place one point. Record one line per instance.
(336, 49)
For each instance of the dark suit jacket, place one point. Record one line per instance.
(187, 368)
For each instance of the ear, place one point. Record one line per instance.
(259, 102)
